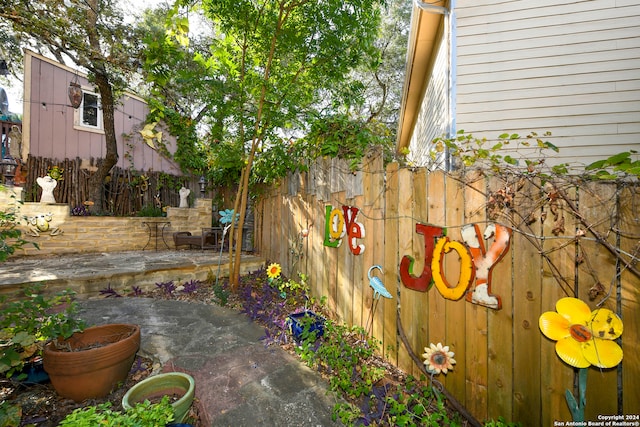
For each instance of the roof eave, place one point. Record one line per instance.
(420, 56)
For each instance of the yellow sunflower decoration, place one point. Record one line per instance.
(273, 271)
(583, 337)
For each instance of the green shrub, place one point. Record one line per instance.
(26, 325)
(143, 414)
(10, 236)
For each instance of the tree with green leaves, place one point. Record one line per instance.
(277, 59)
(93, 35)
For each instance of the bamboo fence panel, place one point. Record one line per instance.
(125, 193)
(505, 366)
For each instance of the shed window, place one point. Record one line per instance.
(89, 114)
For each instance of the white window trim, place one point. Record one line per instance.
(77, 115)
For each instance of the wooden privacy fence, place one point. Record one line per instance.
(505, 366)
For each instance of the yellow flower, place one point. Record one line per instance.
(584, 337)
(273, 271)
(438, 358)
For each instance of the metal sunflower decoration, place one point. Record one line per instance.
(438, 358)
(583, 338)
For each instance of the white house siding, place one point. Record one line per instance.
(564, 66)
(433, 117)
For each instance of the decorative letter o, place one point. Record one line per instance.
(444, 246)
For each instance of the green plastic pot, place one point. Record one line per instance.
(171, 384)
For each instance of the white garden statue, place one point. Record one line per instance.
(184, 193)
(47, 184)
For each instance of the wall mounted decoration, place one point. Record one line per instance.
(75, 94)
(476, 262)
(41, 223)
(339, 223)
(378, 290)
(443, 247)
(423, 282)
(484, 260)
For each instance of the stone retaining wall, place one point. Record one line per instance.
(80, 234)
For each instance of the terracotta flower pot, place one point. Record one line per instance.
(173, 384)
(91, 363)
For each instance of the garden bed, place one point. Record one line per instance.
(391, 398)
(43, 407)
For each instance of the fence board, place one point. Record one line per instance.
(358, 266)
(379, 249)
(500, 327)
(331, 272)
(344, 266)
(527, 295)
(391, 279)
(437, 216)
(376, 198)
(455, 310)
(556, 376)
(629, 232)
(599, 267)
(420, 300)
(365, 293)
(476, 351)
(317, 261)
(406, 226)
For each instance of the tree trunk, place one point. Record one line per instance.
(96, 181)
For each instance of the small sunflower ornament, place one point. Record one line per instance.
(273, 271)
(438, 359)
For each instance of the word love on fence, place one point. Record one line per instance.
(340, 222)
(476, 262)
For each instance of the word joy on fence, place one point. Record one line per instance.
(476, 260)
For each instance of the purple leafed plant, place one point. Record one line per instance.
(266, 307)
(191, 286)
(80, 210)
(168, 288)
(109, 292)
